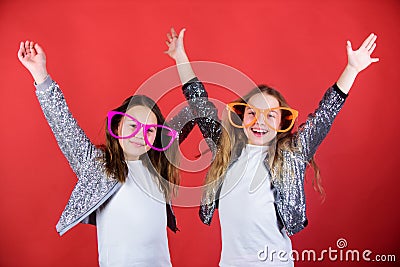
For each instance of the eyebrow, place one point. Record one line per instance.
(129, 119)
(253, 106)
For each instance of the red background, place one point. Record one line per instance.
(101, 51)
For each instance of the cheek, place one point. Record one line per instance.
(246, 131)
(277, 123)
(274, 123)
(247, 119)
(151, 137)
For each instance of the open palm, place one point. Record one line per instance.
(361, 58)
(175, 43)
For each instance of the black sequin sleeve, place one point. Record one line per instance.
(204, 112)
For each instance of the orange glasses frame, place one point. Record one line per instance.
(294, 115)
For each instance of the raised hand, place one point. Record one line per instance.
(177, 52)
(361, 58)
(357, 61)
(175, 44)
(33, 58)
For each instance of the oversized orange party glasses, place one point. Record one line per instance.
(280, 119)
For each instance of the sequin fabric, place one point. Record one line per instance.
(203, 111)
(93, 187)
(289, 190)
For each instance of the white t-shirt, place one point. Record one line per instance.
(249, 225)
(131, 226)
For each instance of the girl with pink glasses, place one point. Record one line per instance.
(125, 186)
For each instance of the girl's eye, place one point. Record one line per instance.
(272, 115)
(133, 126)
(151, 130)
(251, 112)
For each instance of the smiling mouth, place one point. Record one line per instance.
(136, 144)
(258, 132)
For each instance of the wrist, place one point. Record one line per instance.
(40, 77)
(347, 78)
(181, 57)
(351, 70)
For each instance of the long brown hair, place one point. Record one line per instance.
(233, 140)
(162, 165)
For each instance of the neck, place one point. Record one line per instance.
(131, 158)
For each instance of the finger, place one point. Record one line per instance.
(22, 46)
(372, 48)
(371, 42)
(375, 59)
(182, 33)
(169, 37)
(38, 49)
(367, 41)
(32, 48)
(21, 51)
(173, 32)
(168, 43)
(27, 46)
(349, 48)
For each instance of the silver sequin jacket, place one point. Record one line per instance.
(93, 187)
(289, 194)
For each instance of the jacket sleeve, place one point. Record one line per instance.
(71, 139)
(183, 122)
(311, 134)
(204, 112)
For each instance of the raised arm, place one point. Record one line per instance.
(71, 139)
(318, 124)
(202, 110)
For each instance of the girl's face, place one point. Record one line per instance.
(259, 133)
(135, 146)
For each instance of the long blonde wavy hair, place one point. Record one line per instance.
(233, 140)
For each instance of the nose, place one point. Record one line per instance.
(139, 134)
(261, 118)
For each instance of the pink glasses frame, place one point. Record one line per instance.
(145, 127)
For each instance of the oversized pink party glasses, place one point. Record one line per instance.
(165, 136)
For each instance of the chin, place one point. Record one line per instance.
(134, 155)
(263, 140)
(258, 143)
